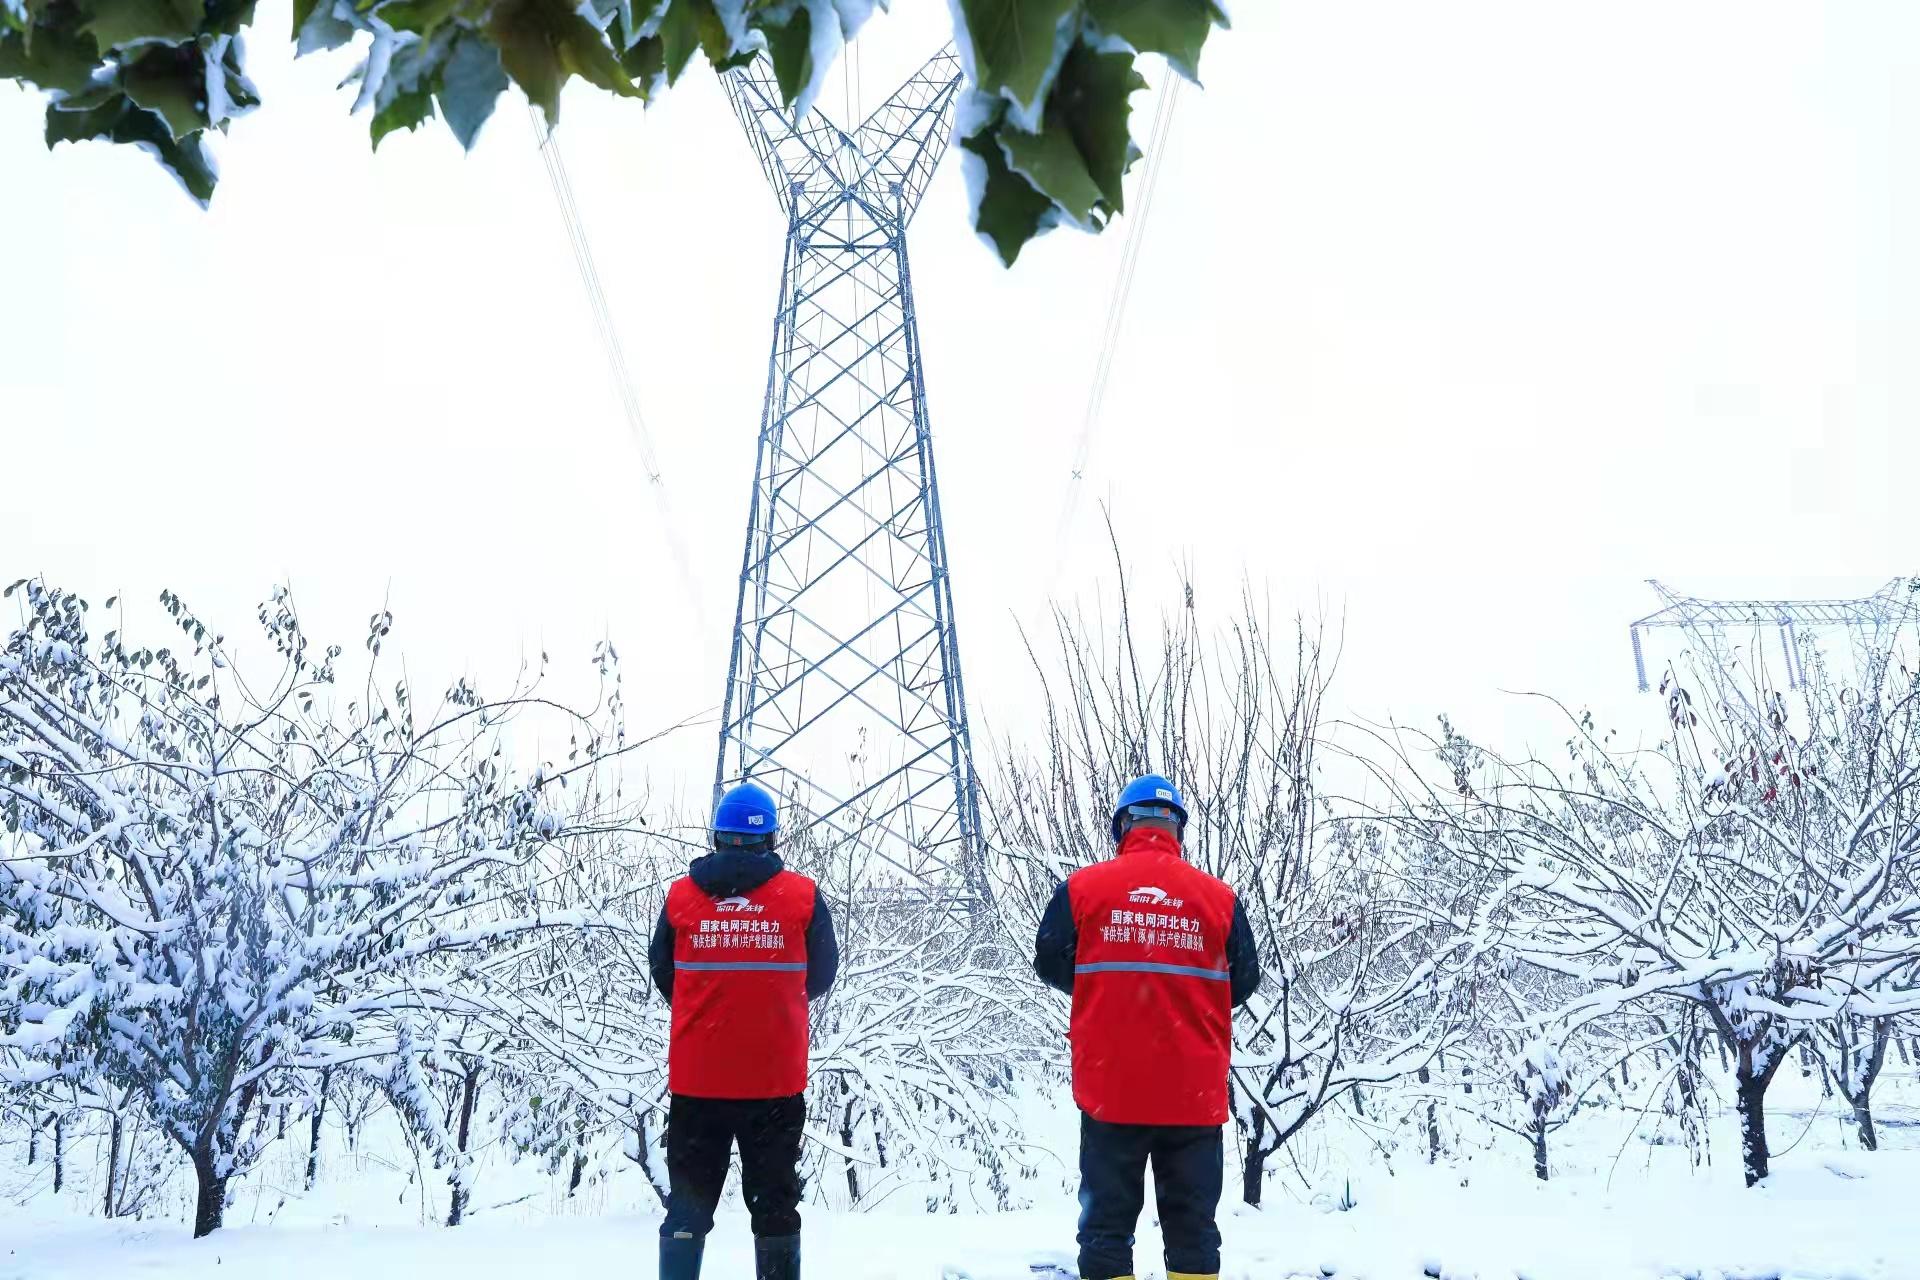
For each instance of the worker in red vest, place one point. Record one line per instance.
(1156, 954)
(741, 947)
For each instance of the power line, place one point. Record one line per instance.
(576, 230)
(1116, 313)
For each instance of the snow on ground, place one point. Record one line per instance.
(1840, 1218)
(1621, 1207)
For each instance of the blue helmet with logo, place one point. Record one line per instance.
(1149, 792)
(746, 810)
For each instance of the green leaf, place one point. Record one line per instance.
(1175, 29)
(241, 95)
(321, 30)
(1053, 165)
(227, 17)
(419, 16)
(584, 52)
(59, 59)
(68, 123)
(646, 61)
(544, 42)
(185, 158)
(406, 111)
(171, 83)
(527, 54)
(679, 37)
(1014, 42)
(117, 22)
(1091, 99)
(470, 85)
(1010, 212)
(713, 36)
(791, 50)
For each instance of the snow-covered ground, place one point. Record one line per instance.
(1620, 1208)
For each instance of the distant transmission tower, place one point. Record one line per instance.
(843, 691)
(1867, 620)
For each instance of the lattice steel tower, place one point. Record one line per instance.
(843, 691)
(1869, 620)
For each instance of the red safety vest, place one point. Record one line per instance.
(740, 989)
(1152, 1008)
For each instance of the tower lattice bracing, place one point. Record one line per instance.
(1869, 620)
(843, 691)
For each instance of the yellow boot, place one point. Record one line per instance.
(1191, 1275)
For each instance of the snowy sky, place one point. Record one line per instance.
(1457, 320)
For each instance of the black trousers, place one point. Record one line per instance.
(701, 1133)
(1186, 1182)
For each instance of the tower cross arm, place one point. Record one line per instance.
(791, 152)
(905, 136)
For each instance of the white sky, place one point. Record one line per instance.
(1459, 319)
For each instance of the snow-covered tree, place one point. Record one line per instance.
(1757, 866)
(215, 889)
(1359, 971)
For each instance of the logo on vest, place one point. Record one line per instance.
(737, 904)
(1157, 897)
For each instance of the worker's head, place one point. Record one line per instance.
(1152, 802)
(745, 818)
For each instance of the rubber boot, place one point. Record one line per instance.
(1191, 1275)
(776, 1257)
(680, 1257)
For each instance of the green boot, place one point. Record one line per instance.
(776, 1257)
(680, 1257)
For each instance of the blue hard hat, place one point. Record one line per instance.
(746, 810)
(1151, 789)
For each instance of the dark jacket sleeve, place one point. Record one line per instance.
(1243, 958)
(823, 949)
(1057, 942)
(660, 956)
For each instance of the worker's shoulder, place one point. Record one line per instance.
(794, 884)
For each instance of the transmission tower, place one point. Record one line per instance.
(843, 690)
(1866, 620)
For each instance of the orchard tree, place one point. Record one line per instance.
(1047, 113)
(212, 891)
(1757, 867)
(1360, 972)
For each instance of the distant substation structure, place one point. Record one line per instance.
(843, 690)
(1870, 620)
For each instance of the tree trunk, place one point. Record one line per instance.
(1869, 1073)
(1540, 1149)
(457, 1180)
(107, 1204)
(313, 1137)
(1751, 1099)
(1433, 1125)
(1684, 1074)
(579, 1168)
(1863, 1117)
(1253, 1174)
(654, 1177)
(1359, 1103)
(210, 1196)
(59, 1153)
(853, 1174)
(33, 1137)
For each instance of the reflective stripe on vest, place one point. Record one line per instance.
(1142, 966)
(739, 966)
